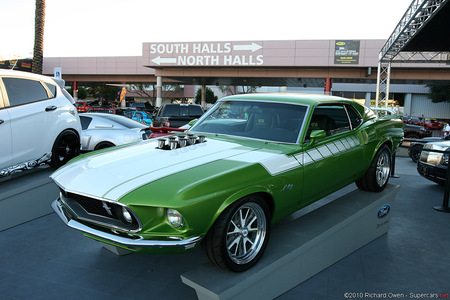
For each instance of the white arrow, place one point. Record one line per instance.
(164, 60)
(253, 47)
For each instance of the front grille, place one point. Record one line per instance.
(93, 206)
(100, 212)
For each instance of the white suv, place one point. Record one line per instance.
(39, 122)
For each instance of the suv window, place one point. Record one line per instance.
(196, 111)
(52, 88)
(172, 111)
(22, 91)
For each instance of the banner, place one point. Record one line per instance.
(346, 52)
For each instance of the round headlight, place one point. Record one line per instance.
(126, 215)
(175, 218)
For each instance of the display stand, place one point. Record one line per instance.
(26, 197)
(302, 248)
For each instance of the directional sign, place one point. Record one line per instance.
(206, 54)
(253, 47)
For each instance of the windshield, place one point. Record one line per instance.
(278, 122)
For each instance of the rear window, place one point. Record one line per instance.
(196, 111)
(171, 111)
(22, 91)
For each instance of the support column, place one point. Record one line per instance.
(75, 90)
(383, 81)
(327, 90)
(367, 102)
(203, 103)
(407, 109)
(158, 91)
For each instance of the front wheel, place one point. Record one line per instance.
(66, 147)
(377, 176)
(239, 236)
(415, 152)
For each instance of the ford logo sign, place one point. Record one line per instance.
(383, 211)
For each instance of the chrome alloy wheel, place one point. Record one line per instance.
(383, 168)
(246, 233)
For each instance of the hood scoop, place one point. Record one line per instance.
(176, 142)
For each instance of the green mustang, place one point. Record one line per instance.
(250, 161)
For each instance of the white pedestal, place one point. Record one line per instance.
(300, 249)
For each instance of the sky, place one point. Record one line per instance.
(86, 28)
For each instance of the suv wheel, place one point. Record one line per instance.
(66, 147)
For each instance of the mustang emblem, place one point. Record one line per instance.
(107, 208)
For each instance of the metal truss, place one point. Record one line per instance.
(422, 57)
(383, 80)
(416, 16)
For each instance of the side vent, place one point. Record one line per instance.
(175, 142)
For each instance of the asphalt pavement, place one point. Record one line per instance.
(44, 259)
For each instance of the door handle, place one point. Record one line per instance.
(1, 122)
(49, 108)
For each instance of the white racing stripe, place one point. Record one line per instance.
(114, 174)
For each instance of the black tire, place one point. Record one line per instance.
(226, 242)
(377, 176)
(415, 152)
(66, 147)
(104, 145)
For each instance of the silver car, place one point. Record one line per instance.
(100, 130)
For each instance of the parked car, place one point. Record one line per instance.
(176, 115)
(416, 132)
(102, 130)
(386, 112)
(433, 165)
(250, 161)
(140, 116)
(38, 122)
(415, 121)
(432, 124)
(83, 107)
(144, 106)
(415, 148)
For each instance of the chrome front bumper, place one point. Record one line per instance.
(126, 242)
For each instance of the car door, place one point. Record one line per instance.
(333, 161)
(5, 134)
(33, 112)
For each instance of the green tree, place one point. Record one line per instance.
(108, 92)
(38, 52)
(149, 91)
(439, 93)
(82, 92)
(209, 96)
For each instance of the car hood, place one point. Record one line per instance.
(114, 173)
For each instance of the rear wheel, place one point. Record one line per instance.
(66, 147)
(104, 145)
(377, 176)
(239, 236)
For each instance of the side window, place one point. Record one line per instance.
(355, 118)
(85, 121)
(22, 91)
(331, 118)
(52, 88)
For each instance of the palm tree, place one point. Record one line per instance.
(38, 52)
